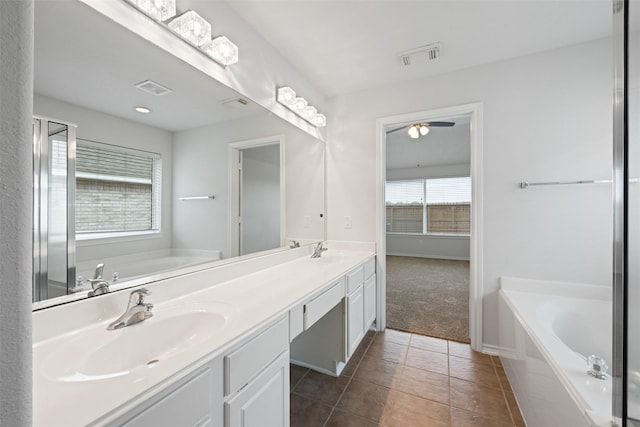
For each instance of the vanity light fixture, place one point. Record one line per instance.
(143, 110)
(321, 120)
(222, 50)
(160, 10)
(191, 27)
(287, 97)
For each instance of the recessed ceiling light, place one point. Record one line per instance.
(143, 110)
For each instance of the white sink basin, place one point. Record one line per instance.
(331, 258)
(98, 354)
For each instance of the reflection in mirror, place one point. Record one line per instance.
(149, 196)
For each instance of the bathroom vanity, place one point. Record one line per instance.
(217, 349)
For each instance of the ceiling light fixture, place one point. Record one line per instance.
(287, 97)
(143, 110)
(418, 129)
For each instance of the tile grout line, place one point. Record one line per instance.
(335, 406)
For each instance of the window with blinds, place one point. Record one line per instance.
(429, 206)
(117, 189)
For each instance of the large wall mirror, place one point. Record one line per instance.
(205, 177)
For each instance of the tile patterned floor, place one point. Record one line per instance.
(397, 379)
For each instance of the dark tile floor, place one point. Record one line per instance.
(397, 379)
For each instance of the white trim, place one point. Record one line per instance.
(496, 350)
(475, 286)
(89, 239)
(233, 149)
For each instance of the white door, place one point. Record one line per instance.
(256, 196)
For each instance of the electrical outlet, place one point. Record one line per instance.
(347, 221)
(307, 221)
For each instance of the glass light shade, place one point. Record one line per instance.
(222, 50)
(160, 10)
(286, 95)
(320, 120)
(424, 130)
(413, 132)
(192, 27)
(309, 113)
(299, 105)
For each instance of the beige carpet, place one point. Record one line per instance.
(428, 296)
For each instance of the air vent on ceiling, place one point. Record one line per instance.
(420, 54)
(237, 102)
(153, 88)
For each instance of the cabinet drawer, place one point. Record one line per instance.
(322, 304)
(355, 279)
(369, 268)
(247, 361)
(189, 405)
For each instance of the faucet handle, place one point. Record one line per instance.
(136, 297)
(98, 272)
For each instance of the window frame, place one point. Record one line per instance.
(86, 238)
(425, 205)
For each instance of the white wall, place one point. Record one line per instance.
(16, 182)
(96, 126)
(200, 168)
(260, 199)
(547, 117)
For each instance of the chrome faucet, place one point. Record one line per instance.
(317, 252)
(294, 244)
(98, 284)
(137, 310)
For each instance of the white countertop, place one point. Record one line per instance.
(251, 301)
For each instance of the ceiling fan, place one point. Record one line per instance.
(417, 129)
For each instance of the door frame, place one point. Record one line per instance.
(474, 111)
(233, 150)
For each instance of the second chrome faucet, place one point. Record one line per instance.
(137, 310)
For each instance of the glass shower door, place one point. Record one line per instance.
(53, 213)
(633, 285)
(626, 349)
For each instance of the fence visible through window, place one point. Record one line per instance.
(429, 206)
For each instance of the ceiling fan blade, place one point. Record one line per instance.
(440, 124)
(397, 129)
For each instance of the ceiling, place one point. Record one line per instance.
(83, 58)
(441, 146)
(352, 45)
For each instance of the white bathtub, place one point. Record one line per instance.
(145, 264)
(550, 328)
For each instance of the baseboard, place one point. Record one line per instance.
(429, 256)
(495, 350)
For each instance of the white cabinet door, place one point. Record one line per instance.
(369, 301)
(264, 402)
(355, 319)
(191, 404)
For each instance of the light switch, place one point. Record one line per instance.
(307, 221)
(347, 221)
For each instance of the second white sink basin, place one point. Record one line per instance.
(99, 354)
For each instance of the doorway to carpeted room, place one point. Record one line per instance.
(428, 296)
